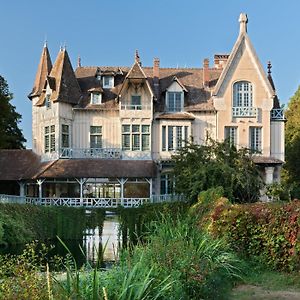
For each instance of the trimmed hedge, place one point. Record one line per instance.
(24, 223)
(270, 231)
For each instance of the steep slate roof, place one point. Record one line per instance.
(111, 168)
(25, 164)
(43, 71)
(18, 164)
(62, 80)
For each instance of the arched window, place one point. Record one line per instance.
(242, 94)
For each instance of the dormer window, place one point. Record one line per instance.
(47, 101)
(96, 98)
(174, 101)
(108, 82)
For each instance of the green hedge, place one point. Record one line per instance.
(270, 231)
(24, 223)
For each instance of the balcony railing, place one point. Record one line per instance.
(102, 153)
(277, 114)
(110, 153)
(135, 107)
(244, 111)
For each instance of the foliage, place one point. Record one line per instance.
(292, 138)
(11, 136)
(270, 231)
(200, 167)
(278, 191)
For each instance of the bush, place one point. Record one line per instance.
(270, 231)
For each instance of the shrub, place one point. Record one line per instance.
(270, 231)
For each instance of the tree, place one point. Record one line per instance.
(11, 136)
(200, 167)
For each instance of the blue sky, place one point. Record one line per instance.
(180, 33)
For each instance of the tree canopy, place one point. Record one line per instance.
(201, 167)
(292, 138)
(11, 136)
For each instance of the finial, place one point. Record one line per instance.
(65, 46)
(243, 19)
(137, 57)
(61, 47)
(269, 68)
(45, 42)
(79, 61)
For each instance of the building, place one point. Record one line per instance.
(109, 132)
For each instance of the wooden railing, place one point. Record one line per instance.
(89, 202)
(277, 114)
(244, 111)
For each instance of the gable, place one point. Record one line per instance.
(243, 64)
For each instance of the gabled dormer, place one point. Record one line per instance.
(136, 93)
(174, 96)
(95, 95)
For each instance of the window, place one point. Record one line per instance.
(96, 136)
(174, 101)
(47, 102)
(136, 103)
(108, 82)
(166, 184)
(255, 139)
(231, 135)
(65, 141)
(173, 137)
(242, 94)
(49, 139)
(96, 98)
(136, 137)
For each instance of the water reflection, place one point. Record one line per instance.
(94, 242)
(91, 243)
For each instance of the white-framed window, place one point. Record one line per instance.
(242, 94)
(136, 137)
(166, 184)
(49, 138)
(108, 82)
(95, 136)
(47, 101)
(174, 101)
(96, 98)
(231, 135)
(136, 102)
(65, 136)
(173, 137)
(255, 138)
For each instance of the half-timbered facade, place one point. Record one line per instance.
(109, 132)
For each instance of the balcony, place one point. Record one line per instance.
(102, 153)
(135, 110)
(277, 114)
(135, 107)
(244, 112)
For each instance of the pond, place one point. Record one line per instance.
(92, 243)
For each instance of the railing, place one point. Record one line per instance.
(111, 153)
(277, 114)
(139, 155)
(89, 202)
(12, 199)
(244, 111)
(135, 107)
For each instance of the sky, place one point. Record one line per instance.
(180, 33)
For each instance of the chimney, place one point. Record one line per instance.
(206, 72)
(220, 60)
(156, 70)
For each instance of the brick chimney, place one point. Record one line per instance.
(156, 75)
(206, 72)
(220, 60)
(155, 69)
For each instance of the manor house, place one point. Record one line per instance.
(108, 132)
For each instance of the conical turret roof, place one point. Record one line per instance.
(43, 71)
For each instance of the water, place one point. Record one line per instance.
(92, 244)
